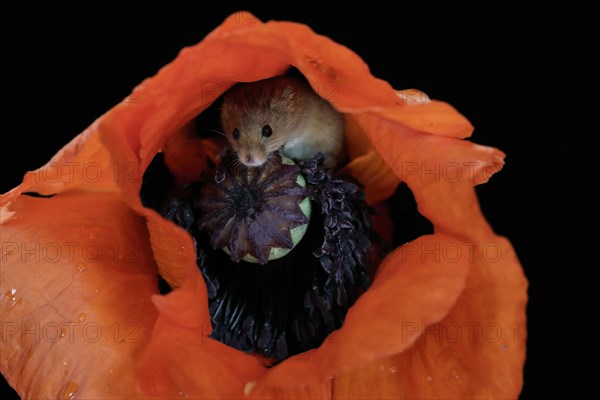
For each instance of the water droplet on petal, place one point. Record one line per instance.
(65, 363)
(454, 373)
(182, 394)
(80, 267)
(92, 236)
(393, 370)
(429, 378)
(248, 388)
(82, 317)
(10, 297)
(70, 391)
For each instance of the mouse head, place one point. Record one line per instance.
(260, 117)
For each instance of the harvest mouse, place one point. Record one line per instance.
(280, 113)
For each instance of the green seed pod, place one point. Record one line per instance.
(255, 214)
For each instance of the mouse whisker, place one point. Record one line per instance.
(216, 131)
(237, 165)
(270, 162)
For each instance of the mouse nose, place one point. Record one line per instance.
(251, 161)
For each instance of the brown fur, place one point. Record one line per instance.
(303, 123)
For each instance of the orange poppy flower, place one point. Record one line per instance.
(81, 314)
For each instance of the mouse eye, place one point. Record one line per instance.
(236, 133)
(267, 131)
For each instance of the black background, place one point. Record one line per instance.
(519, 77)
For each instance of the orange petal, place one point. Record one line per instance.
(84, 163)
(375, 326)
(173, 250)
(439, 170)
(366, 164)
(477, 351)
(181, 359)
(76, 279)
(186, 155)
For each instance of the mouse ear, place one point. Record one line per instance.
(286, 99)
(289, 92)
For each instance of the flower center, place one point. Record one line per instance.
(242, 202)
(284, 306)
